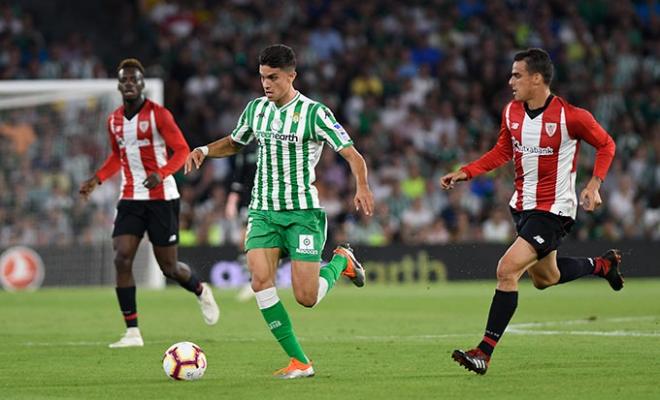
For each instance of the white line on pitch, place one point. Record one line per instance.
(582, 321)
(584, 333)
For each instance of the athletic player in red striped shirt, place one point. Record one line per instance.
(541, 133)
(141, 132)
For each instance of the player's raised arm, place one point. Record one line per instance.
(224, 147)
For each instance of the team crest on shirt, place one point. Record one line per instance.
(143, 125)
(514, 125)
(296, 117)
(550, 128)
(117, 128)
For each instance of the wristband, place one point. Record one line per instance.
(204, 150)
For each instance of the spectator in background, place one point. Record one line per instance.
(401, 73)
(497, 228)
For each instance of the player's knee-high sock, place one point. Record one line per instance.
(572, 268)
(501, 310)
(126, 297)
(193, 284)
(329, 274)
(279, 323)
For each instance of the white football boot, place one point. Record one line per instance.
(210, 310)
(132, 338)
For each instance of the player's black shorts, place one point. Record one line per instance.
(160, 218)
(543, 230)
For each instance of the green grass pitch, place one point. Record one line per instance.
(575, 341)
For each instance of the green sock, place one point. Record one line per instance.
(333, 270)
(280, 325)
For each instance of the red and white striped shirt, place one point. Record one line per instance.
(545, 150)
(139, 148)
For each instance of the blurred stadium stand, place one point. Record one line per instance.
(419, 85)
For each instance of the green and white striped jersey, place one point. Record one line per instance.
(290, 140)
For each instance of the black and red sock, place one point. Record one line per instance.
(127, 304)
(193, 285)
(501, 310)
(572, 268)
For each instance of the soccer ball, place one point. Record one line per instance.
(184, 361)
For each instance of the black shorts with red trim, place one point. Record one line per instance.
(541, 229)
(159, 218)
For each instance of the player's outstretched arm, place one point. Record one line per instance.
(224, 147)
(448, 181)
(364, 199)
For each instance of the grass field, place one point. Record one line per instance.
(577, 341)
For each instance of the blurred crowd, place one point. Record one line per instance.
(419, 85)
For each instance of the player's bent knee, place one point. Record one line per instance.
(122, 263)
(506, 271)
(541, 283)
(306, 300)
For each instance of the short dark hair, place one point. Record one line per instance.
(130, 63)
(278, 56)
(538, 60)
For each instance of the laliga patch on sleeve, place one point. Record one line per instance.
(341, 131)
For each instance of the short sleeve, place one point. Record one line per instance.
(329, 130)
(243, 133)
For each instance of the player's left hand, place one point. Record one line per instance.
(364, 200)
(153, 180)
(590, 198)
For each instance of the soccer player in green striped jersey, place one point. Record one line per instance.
(285, 216)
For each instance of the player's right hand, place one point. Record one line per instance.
(447, 182)
(88, 187)
(196, 157)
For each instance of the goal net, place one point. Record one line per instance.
(52, 137)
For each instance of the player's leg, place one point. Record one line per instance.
(552, 270)
(304, 240)
(517, 259)
(128, 230)
(263, 266)
(163, 229)
(305, 281)
(607, 266)
(167, 259)
(263, 245)
(126, 247)
(545, 272)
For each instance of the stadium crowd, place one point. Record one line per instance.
(419, 86)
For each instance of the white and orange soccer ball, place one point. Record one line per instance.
(184, 361)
